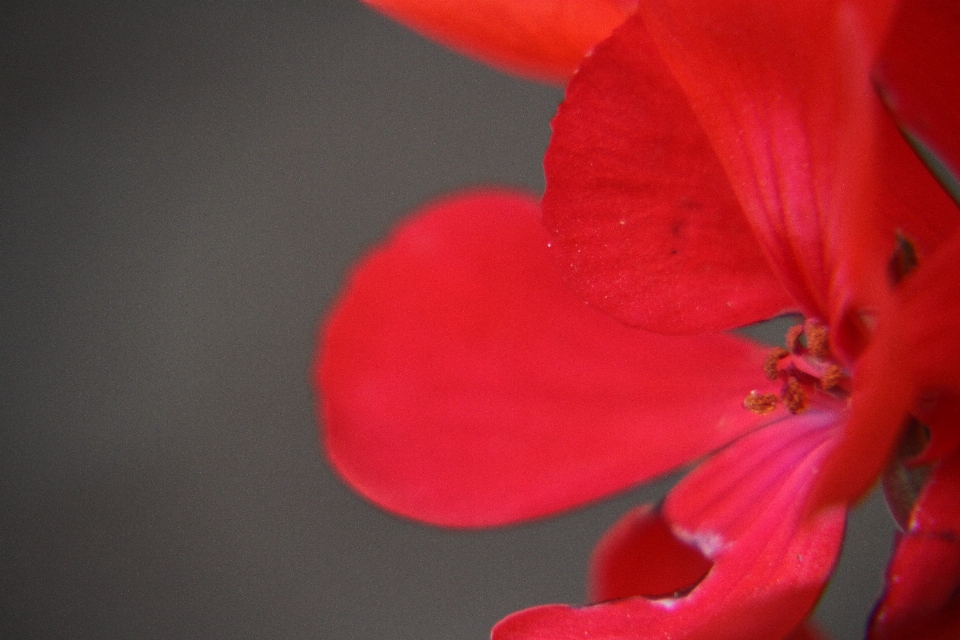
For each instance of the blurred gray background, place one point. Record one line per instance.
(182, 187)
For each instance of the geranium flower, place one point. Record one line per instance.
(714, 164)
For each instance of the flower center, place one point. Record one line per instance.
(807, 368)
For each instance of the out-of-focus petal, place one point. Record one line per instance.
(782, 90)
(743, 510)
(539, 39)
(645, 225)
(919, 76)
(913, 361)
(464, 385)
(923, 580)
(640, 556)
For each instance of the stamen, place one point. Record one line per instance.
(831, 378)
(793, 337)
(770, 364)
(817, 342)
(760, 403)
(794, 396)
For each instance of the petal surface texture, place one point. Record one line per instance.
(919, 75)
(539, 39)
(782, 91)
(644, 222)
(462, 384)
(742, 509)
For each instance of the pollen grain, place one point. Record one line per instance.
(760, 403)
(771, 363)
(794, 396)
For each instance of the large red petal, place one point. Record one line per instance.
(922, 598)
(919, 75)
(743, 509)
(540, 39)
(783, 93)
(913, 364)
(462, 384)
(644, 222)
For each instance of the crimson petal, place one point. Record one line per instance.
(539, 39)
(782, 91)
(640, 556)
(644, 222)
(743, 510)
(463, 385)
(913, 361)
(918, 74)
(923, 579)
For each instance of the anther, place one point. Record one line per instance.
(794, 397)
(831, 378)
(817, 343)
(760, 403)
(770, 364)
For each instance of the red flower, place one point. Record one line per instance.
(715, 163)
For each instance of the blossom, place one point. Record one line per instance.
(714, 164)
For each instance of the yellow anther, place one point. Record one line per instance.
(831, 377)
(770, 364)
(817, 342)
(794, 396)
(760, 403)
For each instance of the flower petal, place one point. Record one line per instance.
(913, 364)
(783, 93)
(743, 509)
(644, 222)
(539, 39)
(640, 556)
(918, 74)
(462, 384)
(923, 580)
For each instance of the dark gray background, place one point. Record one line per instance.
(182, 189)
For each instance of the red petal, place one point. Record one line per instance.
(645, 224)
(923, 580)
(909, 204)
(462, 384)
(919, 75)
(743, 509)
(914, 358)
(540, 39)
(640, 556)
(782, 91)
